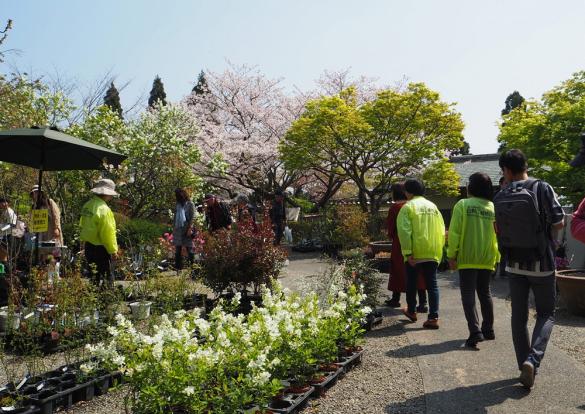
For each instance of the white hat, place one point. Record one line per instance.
(104, 187)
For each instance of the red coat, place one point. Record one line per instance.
(397, 280)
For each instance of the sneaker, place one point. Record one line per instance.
(422, 309)
(409, 315)
(489, 335)
(473, 340)
(431, 323)
(527, 375)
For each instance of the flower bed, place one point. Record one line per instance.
(227, 362)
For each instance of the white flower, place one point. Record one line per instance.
(189, 390)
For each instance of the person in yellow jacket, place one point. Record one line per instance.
(98, 232)
(421, 231)
(473, 250)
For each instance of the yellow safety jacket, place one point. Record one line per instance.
(421, 230)
(97, 225)
(472, 237)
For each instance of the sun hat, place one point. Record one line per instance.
(104, 187)
(35, 188)
(208, 196)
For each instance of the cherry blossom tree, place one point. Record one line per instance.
(242, 116)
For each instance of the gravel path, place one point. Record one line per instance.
(569, 334)
(387, 381)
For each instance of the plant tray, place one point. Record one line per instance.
(291, 403)
(330, 380)
(349, 362)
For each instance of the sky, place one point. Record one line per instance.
(473, 53)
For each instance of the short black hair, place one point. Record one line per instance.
(398, 192)
(480, 185)
(414, 186)
(514, 160)
(4, 200)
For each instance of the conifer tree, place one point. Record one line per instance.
(157, 93)
(112, 99)
(201, 86)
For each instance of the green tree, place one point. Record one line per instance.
(157, 93)
(464, 150)
(398, 133)
(547, 131)
(161, 155)
(201, 87)
(513, 101)
(112, 100)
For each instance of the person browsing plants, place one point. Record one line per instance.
(421, 231)
(98, 232)
(473, 250)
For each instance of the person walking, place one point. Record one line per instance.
(527, 213)
(397, 276)
(98, 232)
(183, 227)
(472, 249)
(421, 231)
(278, 216)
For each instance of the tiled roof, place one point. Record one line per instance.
(465, 165)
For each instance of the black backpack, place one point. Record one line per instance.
(520, 222)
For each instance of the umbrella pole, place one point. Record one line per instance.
(38, 205)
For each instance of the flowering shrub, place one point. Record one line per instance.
(236, 260)
(191, 365)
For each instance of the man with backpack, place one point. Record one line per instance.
(527, 212)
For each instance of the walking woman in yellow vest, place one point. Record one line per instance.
(473, 250)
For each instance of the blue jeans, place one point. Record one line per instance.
(544, 290)
(429, 272)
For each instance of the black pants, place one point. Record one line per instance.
(99, 263)
(543, 288)
(429, 272)
(179, 256)
(422, 297)
(278, 230)
(470, 282)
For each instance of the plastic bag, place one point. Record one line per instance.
(288, 234)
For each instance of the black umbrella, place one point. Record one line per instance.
(48, 149)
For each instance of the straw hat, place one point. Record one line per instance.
(104, 187)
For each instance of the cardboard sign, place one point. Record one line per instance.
(40, 221)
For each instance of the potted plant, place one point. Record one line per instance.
(572, 287)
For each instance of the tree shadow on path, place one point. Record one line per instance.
(471, 399)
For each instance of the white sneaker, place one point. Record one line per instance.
(527, 375)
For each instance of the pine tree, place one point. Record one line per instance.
(201, 86)
(514, 100)
(157, 93)
(112, 99)
(464, 150)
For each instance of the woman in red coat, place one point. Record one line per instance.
(397, 280)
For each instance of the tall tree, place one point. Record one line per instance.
(201, 87)
(242, 119)
(400, 132)
(514, 100)
(3, 36)
(547, 131)
(157, 93)
(112, 100)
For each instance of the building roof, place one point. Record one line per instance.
(465, 165)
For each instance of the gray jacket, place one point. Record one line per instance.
(180, 237)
